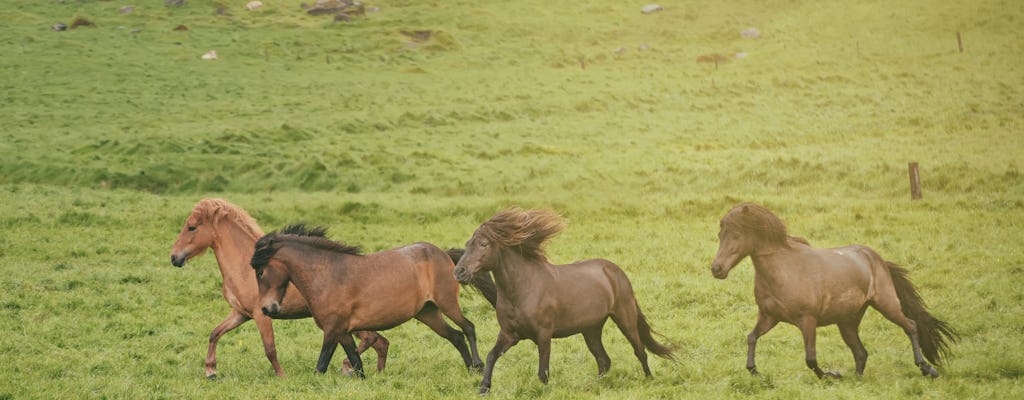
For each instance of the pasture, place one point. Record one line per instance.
(109, 134)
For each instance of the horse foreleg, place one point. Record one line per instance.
(808, 327)
(544, 353)
(266, 328)
(852, 340)
(230, 322)
(504, 342)
(349, 345)
(327, 351)
(763, 325)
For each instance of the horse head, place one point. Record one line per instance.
(271, 275)
(197, 235)
(481, 254)
(733, 246)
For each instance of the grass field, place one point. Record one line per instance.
(110, 134)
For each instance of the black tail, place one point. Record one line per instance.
(646, 336)
(931, 332)
(482, 281)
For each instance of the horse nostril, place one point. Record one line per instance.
(266, 311)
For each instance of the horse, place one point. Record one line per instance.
(232, 234)
(540, 301)
(810, 287)
(348, 291)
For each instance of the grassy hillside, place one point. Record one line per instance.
(110, 134)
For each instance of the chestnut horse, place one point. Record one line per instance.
(348, 291)
(232, 234)
(540, 301)
(811, 287)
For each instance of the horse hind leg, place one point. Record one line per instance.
(368, 339)
(627, 323)
(852, 339)
(890, 309)
(430, 315)
(593, 338)
(454, 312)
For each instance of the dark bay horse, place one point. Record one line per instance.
(349, 292)
(540, 301)
(811, 287)
(232, 234)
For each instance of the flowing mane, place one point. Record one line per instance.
(527, 230)
(211, 210)
(267, 246)
(758, 221)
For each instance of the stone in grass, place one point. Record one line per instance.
(651, 8)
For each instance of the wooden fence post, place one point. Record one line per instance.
(915, 182)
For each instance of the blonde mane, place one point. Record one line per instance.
(212, 210)
(529, 230)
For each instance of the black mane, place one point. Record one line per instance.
(267, 246)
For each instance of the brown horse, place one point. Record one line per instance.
(540, 301)
(232, 234)
(811, 287)
(348, 291)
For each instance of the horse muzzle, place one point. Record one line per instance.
(462, 275)
(178, 261)
(271, 309)
(719, 271)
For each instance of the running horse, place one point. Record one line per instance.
(232, 234)
(350, 292)
(540, 301)
(811, 287)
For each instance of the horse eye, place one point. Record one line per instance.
(259, 274)
(191, 229)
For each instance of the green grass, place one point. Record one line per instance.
(111, 134)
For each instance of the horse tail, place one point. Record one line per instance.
(647, 337)
(481, 281)
(932, 334)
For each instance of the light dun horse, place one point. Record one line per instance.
(232, 234)
(811, 287)
(540, 301)
(349, 291)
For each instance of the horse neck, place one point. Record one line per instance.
(307, 269)
(516, 276)
(233, 246)
(764, 255)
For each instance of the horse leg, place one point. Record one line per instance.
(454, 312)
(889, 306)
(544, 352)
(627, 323)
(505, 341)
(763, 325)
(431, 316)
(230, 322)
(265, 325)
(808, 327)
(327, 351)
(852, 339)
(593, 338)
(369, 339)
(349, 345)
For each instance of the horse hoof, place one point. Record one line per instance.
(478, 368)
(211, 377)
(930, 372)
(753, 371)
(833, 374)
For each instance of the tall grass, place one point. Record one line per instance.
(111, 134)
